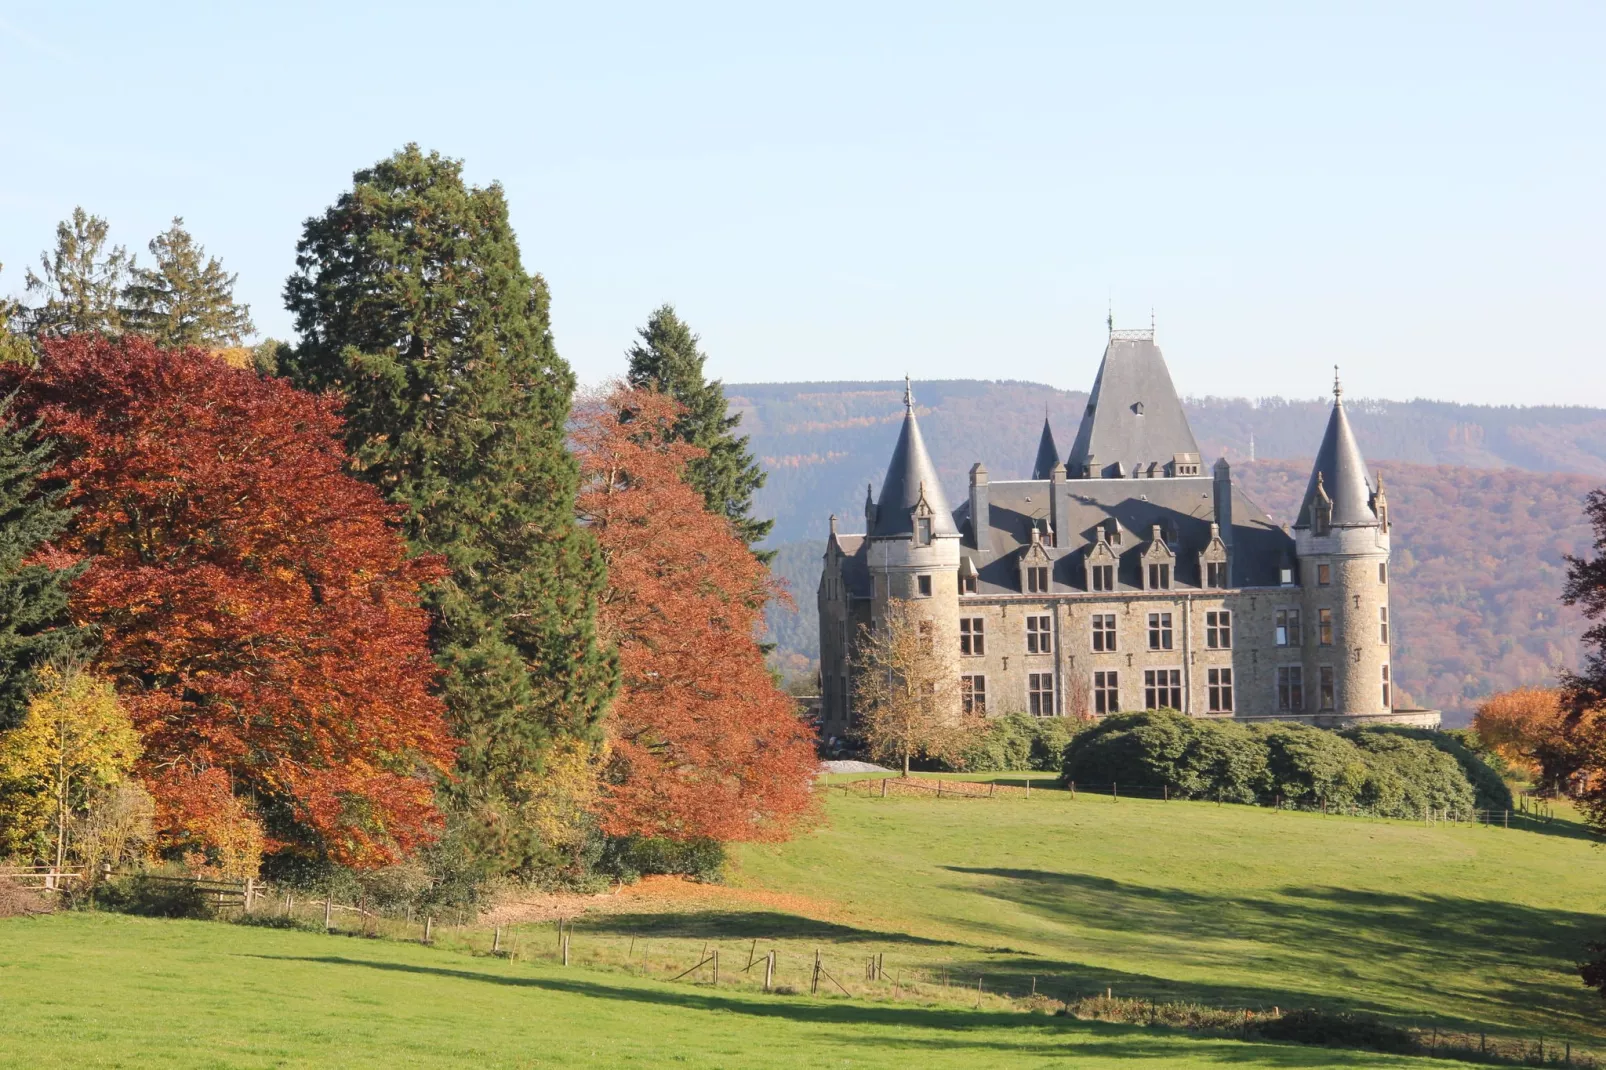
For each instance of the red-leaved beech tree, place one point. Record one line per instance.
(255, 604)
(703, 745)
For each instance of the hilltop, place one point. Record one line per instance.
(1486, 501)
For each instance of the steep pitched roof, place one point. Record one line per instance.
(1133, 415)
(1341, 472)
(1048, 454)
(910, 474)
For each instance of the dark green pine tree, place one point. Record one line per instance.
(34, 625)
(411, 300)
(667, 358)
(187, 299)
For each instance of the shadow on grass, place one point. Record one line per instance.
(746, 925)
(1427, 941)
(1082, 1038)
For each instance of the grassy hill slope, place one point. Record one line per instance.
(1230, 906)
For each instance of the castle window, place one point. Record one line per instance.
(923, 586)
(1218, 630)
(1215, 573)
(1037, 579)
(927, 636)
(1324, 627)
(1106, 693)
(1159, 577)
(1383, 572)
(1103, 577)
(1220, 681)
(1290, 689)
(1288, 627)
(1324, 575)
(1325, 686)
(967, 584)
(972, 636)
(1162, 689)
(1159, 632)
(973, 693)
(1386, 695)
(1104, 632)
(1039, 639)
(1286, 577)
(1040, 693)
(923, 531)
(1383, 624)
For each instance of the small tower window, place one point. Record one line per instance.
(1386, 696)
(923, 531)
(1383, 624)
(923, 586)
(1324, 575)
(1383, 572)
(1324, 627)
(1327, 693)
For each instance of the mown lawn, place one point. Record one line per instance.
(101, 990)
(1228, 905)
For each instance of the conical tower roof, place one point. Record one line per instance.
(1341, 473)
(909, 475)
(1048, 454)
(1133, 416)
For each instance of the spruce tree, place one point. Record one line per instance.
(81, 282)
(15, 347)
(34, 625)
(666, 358)
(187, 299)
(411, 301)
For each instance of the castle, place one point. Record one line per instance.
(1126, 577)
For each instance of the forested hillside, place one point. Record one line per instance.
(1486, 501)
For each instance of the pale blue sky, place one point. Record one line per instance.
(1413, 191)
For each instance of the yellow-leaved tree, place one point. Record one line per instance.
(906, 695)
(74, 744)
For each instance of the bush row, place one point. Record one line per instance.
(1394, 772)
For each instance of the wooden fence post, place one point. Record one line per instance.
(429, 928)
(883, 787)
(1115, 792)
(566, 934)
(1073, 789)
(496, 941)
(814, 982)
(1028, 787)
(978, 993)
(329, 912)
(992, 786)
(752, 954)
(769, 970)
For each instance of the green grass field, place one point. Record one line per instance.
(1467, 928)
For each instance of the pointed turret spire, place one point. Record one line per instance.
(910, 475)
(1048, 454)
(1339, 474)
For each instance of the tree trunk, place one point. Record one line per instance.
(905, 763)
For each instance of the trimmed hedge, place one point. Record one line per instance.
(1393, 773)
(1017, 743)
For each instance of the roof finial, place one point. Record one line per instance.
(908, 395)
(1109, 317)
(1151, 321)
(1338, 391)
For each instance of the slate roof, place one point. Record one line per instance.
(855, 565)
(1048, 454)
(1343, 475)
(1133, 416)
(909, 471)
(1183, 507)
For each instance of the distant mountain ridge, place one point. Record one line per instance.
(822, 442)
(1487, 500)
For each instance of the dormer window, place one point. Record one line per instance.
(1158, 561)
(1037, 579)
(1159, 576)
(922, 531)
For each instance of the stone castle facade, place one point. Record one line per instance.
(1125, 577)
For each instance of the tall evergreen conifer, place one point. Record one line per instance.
(666, 358)
(34, 626)
(187, 299)
(81, 281)
(411, 300)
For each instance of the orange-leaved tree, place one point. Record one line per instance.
(1525, 726)
(702, 744)
(255, 604)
